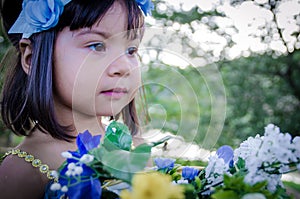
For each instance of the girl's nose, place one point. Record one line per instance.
(120, 67)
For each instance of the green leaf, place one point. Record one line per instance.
(240, 163)
(116, 156)
(233, 181)
(117, 136)
(189, 191)
(176, 176)
(143, 148)
(163, 140)
(108, 194)
(259, 186)
(225, 195)
(198, 182)
(124, 164)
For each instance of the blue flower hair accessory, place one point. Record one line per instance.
(146, 6)
(39, 15)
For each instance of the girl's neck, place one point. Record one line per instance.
(92, 124)
(78, 121)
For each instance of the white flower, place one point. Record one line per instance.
(271, 129)
(215, 170)
(66, 154)
(262, 152)
(253, 196)
(274, 180)
(296, 146)
(71, 166)
(181, 181)
(248, 148)
(54, 174)
(78, 170)
(73, 169)
(284, 169)
(86, 158)
(68, 173)
(64, 189)
(55, 186)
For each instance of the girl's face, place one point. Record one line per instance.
(96, 70)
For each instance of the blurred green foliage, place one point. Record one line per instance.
(259, 90)
(261, 87)
(292, 185)
(6, 138)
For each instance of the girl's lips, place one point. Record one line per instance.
(115, 93)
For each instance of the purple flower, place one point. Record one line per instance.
(189, 173)
(226, 153)
(164, 163)
(146, 6)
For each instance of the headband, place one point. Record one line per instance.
(40, 15)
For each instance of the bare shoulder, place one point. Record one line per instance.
(138, 140)
(19, 179)
(47, 149)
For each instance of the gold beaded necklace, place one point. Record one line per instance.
(37, 163)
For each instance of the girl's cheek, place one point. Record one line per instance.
(135, 61)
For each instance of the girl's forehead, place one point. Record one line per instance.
(118, 7)
(114, 20)
(112, 24)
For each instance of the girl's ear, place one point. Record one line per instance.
(26, 53)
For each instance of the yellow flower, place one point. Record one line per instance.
(153, 185)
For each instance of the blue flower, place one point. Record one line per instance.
(226, 153)
(189, 173)
(42, 14)
(89, 185)
(86, 189)
(38, 15)
(86, 142)
(146, 6)
(89, 188)
(164, 163)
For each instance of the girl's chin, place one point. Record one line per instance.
(105, 111)
(109, 113)
(94, 114)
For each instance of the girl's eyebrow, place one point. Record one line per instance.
(106, 35)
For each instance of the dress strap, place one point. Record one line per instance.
(37, 163)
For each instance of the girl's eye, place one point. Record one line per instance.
(99, 47)
(131, 50)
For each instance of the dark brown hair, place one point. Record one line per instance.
(27, 98)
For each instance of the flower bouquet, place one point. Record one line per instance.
(113, 168)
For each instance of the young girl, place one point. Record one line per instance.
(77, 61)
